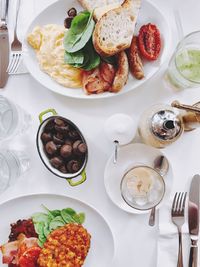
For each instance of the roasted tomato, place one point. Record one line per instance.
(30, 257)
(149, 41)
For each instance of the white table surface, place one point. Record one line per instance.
(135, 240)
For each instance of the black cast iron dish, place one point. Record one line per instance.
(43, 155)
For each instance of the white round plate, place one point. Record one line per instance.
(102, 245)
(56, 14)
(130, 156)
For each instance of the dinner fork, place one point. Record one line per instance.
(16, 47)
(178, 218)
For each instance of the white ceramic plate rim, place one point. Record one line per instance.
(49, 195)
(128, 208)
(51, 83)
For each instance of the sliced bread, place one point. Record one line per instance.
(90, 5)
(114, 30)
(100, 11)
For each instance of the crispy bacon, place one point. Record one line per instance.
(107, 72)
(99, 80)
(13, 250)
(9, 251)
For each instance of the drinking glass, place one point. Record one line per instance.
(13, 119)
(13, 164)
(184, 67)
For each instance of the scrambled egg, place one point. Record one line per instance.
(48, 44)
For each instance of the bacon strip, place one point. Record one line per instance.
(99, 80)
(13, 250)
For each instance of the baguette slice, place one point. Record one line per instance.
(100, 11)
(90, 5)
(114, 31)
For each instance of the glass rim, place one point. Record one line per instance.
(178, 49)
(186, 36)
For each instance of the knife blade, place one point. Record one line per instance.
(193, 219)
(4, 44)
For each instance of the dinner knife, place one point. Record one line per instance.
(193, 219)
(4, 44)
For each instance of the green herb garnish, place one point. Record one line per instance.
(79, 49)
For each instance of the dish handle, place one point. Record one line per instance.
(49, 111)
(84, 177)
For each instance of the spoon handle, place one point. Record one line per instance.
(116, 151)
(152, 217)
(178, 105)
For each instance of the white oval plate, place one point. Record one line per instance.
(130, 156)
(102, 244)
(56, 13)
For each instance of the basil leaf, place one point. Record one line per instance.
(79, 218)
(80, 22)
(94, 58)
(79, 33)
(55, 213)
(40, 217)
(39, 226)
(56, 223)
(74, 58)
(49, 213)
(70, 211)
(66, 216)
(46, 230)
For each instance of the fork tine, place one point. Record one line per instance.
(184, 200)
(14, 63)
(178, 202)
(178, 205)
(11, 62)
(181, 202)
(174, 202)
(17, 62)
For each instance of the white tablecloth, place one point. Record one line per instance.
(135, 241)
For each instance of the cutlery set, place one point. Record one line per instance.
(178, 218)
(8, 66)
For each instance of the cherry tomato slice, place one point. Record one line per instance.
(149, 41)
(30, 257)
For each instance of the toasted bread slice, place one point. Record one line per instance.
(114, 31)
(90, 5)
(100, 11)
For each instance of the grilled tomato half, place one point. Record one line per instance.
(149, 41)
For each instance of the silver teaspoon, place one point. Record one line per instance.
(161, 165)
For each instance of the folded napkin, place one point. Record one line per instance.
(167, 250)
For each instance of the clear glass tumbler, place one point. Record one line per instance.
(184, 67)
(13, 119)
(13, 164)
